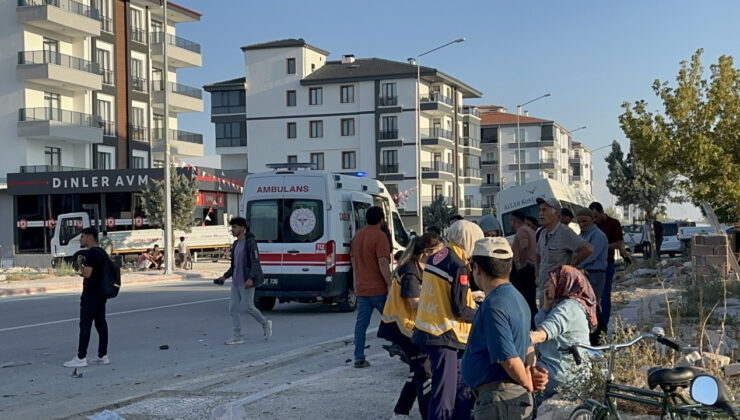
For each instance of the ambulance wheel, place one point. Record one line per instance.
(265, 303)
(348, 301)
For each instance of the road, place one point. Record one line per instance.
(38, 333)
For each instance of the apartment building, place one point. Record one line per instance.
(541, 148)
(351, 115)
(84, 92)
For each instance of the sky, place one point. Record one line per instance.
(590, 55)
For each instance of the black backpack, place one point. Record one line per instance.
(110, 281)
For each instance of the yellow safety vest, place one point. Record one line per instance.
(398, 310)
(434, 315)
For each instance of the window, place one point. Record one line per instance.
(548, 132)
(388, 94)
(290, 65)
(266, 220)
(390, 161)
(489, 135)
(156, 26)
(137, 162)
(315, 96)
(228, 102)
(138, 124)
(292, 130)
(52, 101)
(389, 127)
(316, 129)
(348, 126)
(137, 75)
(103, 59)
(137, 25)
(53, 156)
(231, 134)
(521, 136)
(51, 50)
(105, 113)
(290, 98)
(104, 160)
(520, 156)
(292, 158)
(318, 159)
(349, 160)
(399, 232)
(347, 94)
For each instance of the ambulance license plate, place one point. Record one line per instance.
(271, 281)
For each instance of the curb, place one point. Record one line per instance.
(77, 285)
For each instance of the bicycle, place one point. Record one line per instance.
(671, 403)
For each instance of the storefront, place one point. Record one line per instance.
(38, 198)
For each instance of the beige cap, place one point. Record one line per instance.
(497, 247)
(550, 201)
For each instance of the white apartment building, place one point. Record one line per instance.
(542, 149)
(351, 115)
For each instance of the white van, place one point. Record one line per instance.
(303, 221)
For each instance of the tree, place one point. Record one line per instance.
(438, 213)
(182, 190)
(697, 135)
(612, 212)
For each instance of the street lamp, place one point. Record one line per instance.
(518, 140)
(418, 128)
(168, 242)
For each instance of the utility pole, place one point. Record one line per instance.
(169, 260)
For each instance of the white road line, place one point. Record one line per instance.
(61, 321)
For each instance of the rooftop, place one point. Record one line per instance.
(238, 82)
(284, 43)
(504, 118)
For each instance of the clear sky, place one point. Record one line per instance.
(591, 55)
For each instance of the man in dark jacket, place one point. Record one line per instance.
(246, 274)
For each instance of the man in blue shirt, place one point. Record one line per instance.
(595, 264)
(499, 357)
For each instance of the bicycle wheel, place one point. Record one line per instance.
(586, 412)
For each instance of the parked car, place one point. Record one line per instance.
(632, 237)
(671, 243)
(685, 233)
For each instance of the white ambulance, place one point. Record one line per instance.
(303, 221)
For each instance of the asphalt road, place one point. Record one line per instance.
(38, 333)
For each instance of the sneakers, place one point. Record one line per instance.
(237, 339)
(267, 329)
(360, 364)
(100, 360)
(76, 362)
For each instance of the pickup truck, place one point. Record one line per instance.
(202, 239)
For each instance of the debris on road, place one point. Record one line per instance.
(164, 347)
(13, 364)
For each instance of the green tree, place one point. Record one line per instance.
(438, 213)
(697, 135)
(183, 191)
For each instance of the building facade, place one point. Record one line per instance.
(352, 115)
(84, 91)
(540, 149)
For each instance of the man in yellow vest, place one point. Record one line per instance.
(444, 317)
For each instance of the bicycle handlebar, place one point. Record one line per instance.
(573, 350)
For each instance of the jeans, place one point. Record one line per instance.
(606, 298)
(365, 306)
(92, 308)
(507, 401)
(242, 300)
(450, 398)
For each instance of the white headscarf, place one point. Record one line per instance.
(465, 234)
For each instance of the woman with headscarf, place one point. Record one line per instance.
(567, 316)
(397, 321)
(444, 319)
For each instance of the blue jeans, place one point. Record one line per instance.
(365, 306)
(606, 298)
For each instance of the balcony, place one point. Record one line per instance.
(437, 138)
(544, 164)
(427, 201)
(182, 143)
(470, 203)
(388, 134)
(108, 77)
(231, 142)
(532, 144)
(389, 168)
(490, 187)
(436, 103)
(109, 129)
(59, 70)
(489, 162)
(59, 125)
(139, 84)
(470, 112)
(388, 101)
(181, 98)
(30, 169)
(138, 35)
(438, 171)
(65, 17)
(576, 178)
(138, 133)
(106, 24)
(180, 51)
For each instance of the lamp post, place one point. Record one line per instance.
(418, 130)
(168, 250)
(518, 140)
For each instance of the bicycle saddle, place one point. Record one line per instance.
(678, 377)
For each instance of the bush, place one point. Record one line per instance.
(64, 268)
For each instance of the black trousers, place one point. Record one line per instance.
(418, 383)
(523, 280)
(92, 308)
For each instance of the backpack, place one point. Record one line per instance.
(110, 281)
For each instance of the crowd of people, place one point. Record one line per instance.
(482, 323)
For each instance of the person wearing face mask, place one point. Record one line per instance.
(397, 321)
(443, 320)
(567, 317)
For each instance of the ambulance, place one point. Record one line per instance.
(304, 221)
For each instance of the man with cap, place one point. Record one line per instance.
(490, 226)
(498, 361)
(557, 245)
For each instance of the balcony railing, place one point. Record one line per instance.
(389, 168)
(436, 166)
(549, 160)
(64, 60)
(576, 178)
(157, 37)
(491, 184)
(27, 169)
(179, 135)
(231, 142)
(137, 34)
(436, 132)
(470, 203)
(106, 24)
(108, 77)
(436, 97)
(388, 101)
(427, 201)
(470, 142)
(66, 5)
(489, 162)
(471, 111)
(60, 115)
(109, 128)
(158, 86)
(471, 172)
(389, 134)
(138, 84)
(139, 133)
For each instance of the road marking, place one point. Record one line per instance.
(132, 311)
